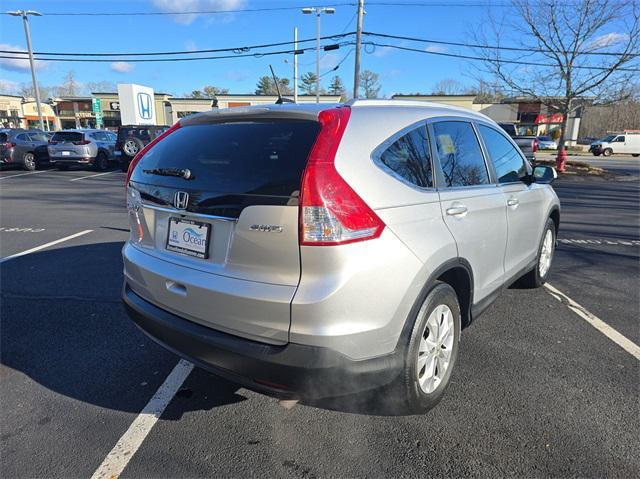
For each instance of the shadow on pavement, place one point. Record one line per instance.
(64, 327)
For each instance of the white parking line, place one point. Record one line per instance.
(130, 442)
(93, 176)
(23, 174)
(38, 248)
(596, 322)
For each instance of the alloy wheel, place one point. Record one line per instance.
(436, 346)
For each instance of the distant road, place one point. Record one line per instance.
(619, 164)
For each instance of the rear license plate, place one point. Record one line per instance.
(189, 237)
(66, 153)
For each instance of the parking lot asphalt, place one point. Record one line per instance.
(537, 391)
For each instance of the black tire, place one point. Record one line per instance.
(596, 153)
(533, 279)
(29, 161)
(101, 162)
(131, 147)
(607, 152)
(635, 155)
(406, 391)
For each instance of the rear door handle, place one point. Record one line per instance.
(512, 202)
(457, 211)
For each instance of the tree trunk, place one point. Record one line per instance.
(566, 109)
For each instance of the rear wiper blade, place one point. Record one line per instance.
(179, 172)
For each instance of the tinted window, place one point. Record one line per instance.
(22, 137)
(460, 155)
(544, 138)
(38, 137)
(67, 136)
(3, 137)
(258, 158)
(409, 158)
(507, 161)
(620, 139)
(100, 136)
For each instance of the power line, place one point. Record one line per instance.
(469, 57)
(486, 47)
(242, 49)
(155, 60)
(190, 12)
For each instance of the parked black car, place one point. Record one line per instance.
(23, 148)
(133, 138)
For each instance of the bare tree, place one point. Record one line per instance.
(449, 86)
(567, 51)
(370, 84)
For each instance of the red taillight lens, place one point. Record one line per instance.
(51, 142)
(83, 142)
(535, 145)
(331, 213)
(141, 153)
(9, 144)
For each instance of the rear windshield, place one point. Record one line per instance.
(257, 158)
(67, 136)
(544, 138)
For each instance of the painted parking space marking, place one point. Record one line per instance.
(93, 176)
(622, 341)
(46, 245)
(18, 229)
(130, 442)
(23, 174)
(603, 242)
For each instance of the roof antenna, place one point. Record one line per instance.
(280, 99)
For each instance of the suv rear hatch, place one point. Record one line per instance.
(68, 143)
(213, 209)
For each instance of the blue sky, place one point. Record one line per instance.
(400, 72)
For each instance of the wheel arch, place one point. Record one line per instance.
(554, 214)
(458, 274)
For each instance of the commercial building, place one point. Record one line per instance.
(11, 115)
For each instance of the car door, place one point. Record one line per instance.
(23, 143)
(524, 199)
(621, 145)
(473, 207)
(100, 140)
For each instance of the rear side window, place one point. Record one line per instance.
(38, 136)
(67, 136)
(509, 164)
(460, 155)
(22, 137)
(408, 157)
(252, 158)
(3, 137)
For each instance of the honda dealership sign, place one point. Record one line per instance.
(136, 104)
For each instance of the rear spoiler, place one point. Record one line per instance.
(251, 113)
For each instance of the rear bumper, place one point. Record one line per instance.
(291, 370)
(71, 160)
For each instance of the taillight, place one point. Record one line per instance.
(82, 142)
(141, 153)
(331, 213)
(9, 144)
(51, 142)
(535, 145)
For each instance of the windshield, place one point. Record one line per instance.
(63, 136)
(608, 138)
(544, 138)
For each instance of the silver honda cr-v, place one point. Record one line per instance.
(318, 250)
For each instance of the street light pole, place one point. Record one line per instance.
(295, 65)
(25, 20)
(318, 11)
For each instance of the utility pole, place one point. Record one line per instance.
(318, 11)
(25, 20)
(295, 65)
(356, 74)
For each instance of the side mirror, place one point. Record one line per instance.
(544, 174)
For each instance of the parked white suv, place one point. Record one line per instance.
(310, 251)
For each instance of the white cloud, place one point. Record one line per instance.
(8, 87)
(329, 61)
(381, 51)
(180, 6)
(122, 67)
(20, 64)
(435, 49)
(607, 40)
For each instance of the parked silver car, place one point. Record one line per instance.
(546, 143)
(310, 251)
(26, 149)
(82, 147)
